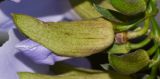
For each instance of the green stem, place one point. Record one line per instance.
(155, 35)
(121, 27)
(152, 49)
(154, 68)
(141, 44)
(154, 7)
(155, 28)
(125, 48)
(153, 72)
(141, 32)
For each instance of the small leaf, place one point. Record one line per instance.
(125, 27)
(106, 13)
(129, 7)
(129, 63)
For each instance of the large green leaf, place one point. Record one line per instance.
(77, 39)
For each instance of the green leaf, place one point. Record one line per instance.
(107, 13)
(129, 63)
(129, 7)
(125, 27)
(76, 39)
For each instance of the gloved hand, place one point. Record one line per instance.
(38, 53)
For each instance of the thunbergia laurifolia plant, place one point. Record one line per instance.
(126, 30)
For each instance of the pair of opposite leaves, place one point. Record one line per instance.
(65, 71)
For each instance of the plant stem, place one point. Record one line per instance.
(126, 47)
(121, 27)
(141, 44)
(155, 29)
(149, 11)
(154, 35)
(154, 68)
(153, 72)
(141, 32)
(152, 49)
